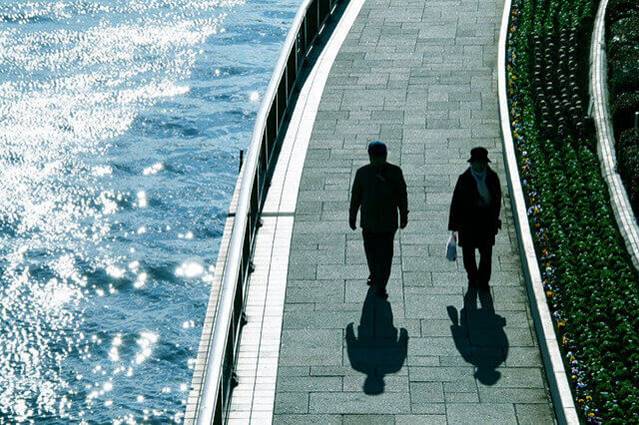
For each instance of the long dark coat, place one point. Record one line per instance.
(380, 191)
(476, 225)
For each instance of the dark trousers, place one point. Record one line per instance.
(481, 276)
(379, 256)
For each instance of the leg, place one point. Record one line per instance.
(369, 250)
(378, 262)
(470, 264)
(485, 264)
(386, 258)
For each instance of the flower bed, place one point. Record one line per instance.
(590, 283)
(622, 46)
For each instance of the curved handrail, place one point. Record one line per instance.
(287, 76)
(557, 379)
(606, 140)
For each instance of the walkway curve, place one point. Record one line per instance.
(606, 140)
(420, 76)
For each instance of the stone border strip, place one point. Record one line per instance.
(563, 401)
(606, 139)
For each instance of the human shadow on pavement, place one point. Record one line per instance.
(479, 335)
(377, 350)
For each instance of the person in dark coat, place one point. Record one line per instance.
(474, 216)
(379, 190)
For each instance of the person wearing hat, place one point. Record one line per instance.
(474, 216)
(379, 190)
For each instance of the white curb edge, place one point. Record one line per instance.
(606, 140)
(562, 398)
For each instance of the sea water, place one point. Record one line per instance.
(120, 126)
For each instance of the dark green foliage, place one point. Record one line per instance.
(628, 161)
(629, 138)
(624, 75)
(591, 284)
(618, 9)
(628, 165)
(624, 32)
(624, 107)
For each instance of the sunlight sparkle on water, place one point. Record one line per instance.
(140, 281)
(75, 76)
(153, 169)
(146, 342)
(190, 269)
(115, 271)
(142, 201)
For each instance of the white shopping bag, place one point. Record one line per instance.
(451, 248)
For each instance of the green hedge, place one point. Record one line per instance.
(617, 9)
(628, 162)
(623, 71)
(622, 46)
(590, 282)
(629, 170)
(624, 106)
(628, 139)
(622, 32)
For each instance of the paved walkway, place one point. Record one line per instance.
(419, 75)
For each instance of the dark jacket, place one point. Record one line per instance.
(380, 191)
(476, 225)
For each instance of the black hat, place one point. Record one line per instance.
(478, 154)
(377, 148)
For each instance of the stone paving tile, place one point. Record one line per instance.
(302, 347)
(533, 414)
(480, 413)
(420, 76)
(359, 403)
(420, 420)
(288, 419)
(290, 402)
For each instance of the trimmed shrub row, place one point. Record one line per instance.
(622, 47)
(590, 283)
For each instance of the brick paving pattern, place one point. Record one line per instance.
(419, 75)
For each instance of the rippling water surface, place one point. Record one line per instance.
(120, 124)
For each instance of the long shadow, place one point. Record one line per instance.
(377, 350)
(479, 335)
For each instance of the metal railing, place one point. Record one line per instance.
(289, 74)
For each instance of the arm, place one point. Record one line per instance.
(498, 203)
(403, 201)
(356, 201)
(455, 206)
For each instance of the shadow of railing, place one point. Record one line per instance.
(377, 350)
